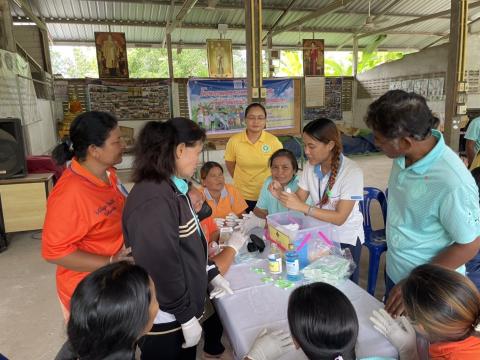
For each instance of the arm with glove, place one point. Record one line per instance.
(270, 345)
(250, 222)
(223, 261)
(398, 331)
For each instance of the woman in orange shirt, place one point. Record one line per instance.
(223, 198)
(444, 307)
(82, 230)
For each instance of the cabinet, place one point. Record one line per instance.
(24, 202)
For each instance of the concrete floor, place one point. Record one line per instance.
(31, 322)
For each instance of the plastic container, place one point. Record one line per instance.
(292, 264)
(309, 229)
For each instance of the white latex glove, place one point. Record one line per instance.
(192, 332)
(270, 345)
(219, 222)
(221, 287)
(399, 332)
(251, 222)
(236, 241)
(231, 216)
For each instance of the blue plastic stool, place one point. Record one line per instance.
(375, 240)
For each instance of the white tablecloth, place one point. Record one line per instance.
(256, 305)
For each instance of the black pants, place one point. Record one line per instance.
(251, 205)
(165, 346)
(212, 333)
(356, 251)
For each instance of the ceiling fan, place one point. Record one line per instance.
(371, 21)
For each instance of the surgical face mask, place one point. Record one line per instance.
(204, 212)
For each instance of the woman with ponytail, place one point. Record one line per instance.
(160, 225)
(334, 183)
(82, 230)
(441, 305)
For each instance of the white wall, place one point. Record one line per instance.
(40, 136)
(432, 60)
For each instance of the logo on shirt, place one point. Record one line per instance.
(266, 148)
(107, 209)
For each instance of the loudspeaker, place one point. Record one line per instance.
(13, 162)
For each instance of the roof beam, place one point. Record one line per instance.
(202, 45)
(275, 24)
(240, 6)
(27, 10)
(414, 21)
(337, 4)
(436, 42)
(165, 24)
(186, 7)
(162, 24)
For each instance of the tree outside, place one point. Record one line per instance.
(80, 62)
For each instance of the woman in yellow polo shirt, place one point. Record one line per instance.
(247, 154)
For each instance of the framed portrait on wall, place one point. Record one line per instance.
(111, 55)
(313, 60)
(220, 58)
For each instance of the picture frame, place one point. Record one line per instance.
(111, 55)
(220, 58)
(313, 57)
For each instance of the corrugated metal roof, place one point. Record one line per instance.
(77, 20)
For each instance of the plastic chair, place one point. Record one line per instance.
(374, 239)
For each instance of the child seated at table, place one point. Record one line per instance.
(323, 323)
(223, 198)
(444, 307)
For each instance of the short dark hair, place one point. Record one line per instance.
(109, 312)
(323, 322)
(400, 114)
(284, 153)
(156, 145)
(255, 104)
(88, 128)
(209, 165)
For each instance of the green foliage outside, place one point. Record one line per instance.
(79, 62)
(291, 62)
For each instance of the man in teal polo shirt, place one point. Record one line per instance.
(472, 137)
(433, 201)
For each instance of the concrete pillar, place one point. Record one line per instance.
(455, 102)
(253, 31)
(170, 68)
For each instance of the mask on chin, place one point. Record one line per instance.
(204, 212)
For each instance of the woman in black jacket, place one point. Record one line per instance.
(161, 227)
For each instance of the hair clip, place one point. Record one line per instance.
(476, 327)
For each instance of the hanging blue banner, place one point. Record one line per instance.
(219, 105)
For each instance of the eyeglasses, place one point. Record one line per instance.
(253, 117)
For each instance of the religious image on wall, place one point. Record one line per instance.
(313, 61)
(220, 58)
(111, 55)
